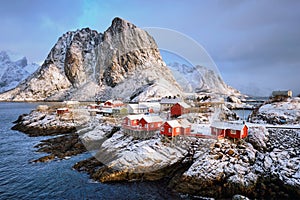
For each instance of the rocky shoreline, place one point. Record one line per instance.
(265, 165)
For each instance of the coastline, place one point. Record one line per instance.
(179, 178)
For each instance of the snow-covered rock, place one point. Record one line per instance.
(126, 159)
(47, 122)
(12, 71)
(283, 112)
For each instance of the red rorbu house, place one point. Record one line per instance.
(94, 106)
(179, 109)
(61, 111)
(225, 129)
(113, 103)
(131, 121)
(142, 122)
(176, 127)
(150, 123)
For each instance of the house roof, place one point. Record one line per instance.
(133, 117)
(114, 101)
(179, 123)
(62, 109)
(169, 101)
(184, 105)
(227, 125)
(173, 123)
(184, 123)
(151, 118)
(137, 106)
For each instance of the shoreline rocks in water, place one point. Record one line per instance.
(42, 124)
(47, 122)
(60, 147)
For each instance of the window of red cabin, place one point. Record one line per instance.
(170, 130)
(233, 132)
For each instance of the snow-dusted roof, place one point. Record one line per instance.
(227, 125)
(133, 117)
(151, 118)
(62, 109)
(169, 101)
(173, 123)
(150, 104)
(184, 123)
(71, 102)
(184, 105)
(137, 106)
(114, 101)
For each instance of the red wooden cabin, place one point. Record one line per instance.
(179, 109)
(113, 103)
(150, 122)
(186, 126)
(224, 129)
(132, 120)
(176, 127)
(94, 106)
(61, 111)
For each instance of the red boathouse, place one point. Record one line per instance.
(179, 109)
(176, 127)
(225, 129)
(150, 122)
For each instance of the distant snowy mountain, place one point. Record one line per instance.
(13, 70)
(200, 79)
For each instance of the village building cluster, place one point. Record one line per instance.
(145, 119)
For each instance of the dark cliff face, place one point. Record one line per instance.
(80, 57)
(84, 57)
(130, 48)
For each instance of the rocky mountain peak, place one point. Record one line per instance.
(4, 57)
(118, 25)
(124, 62)
(22, 62)
(13, 71)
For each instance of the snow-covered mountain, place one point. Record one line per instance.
(200, 79)
(123, 62)
(13, 70)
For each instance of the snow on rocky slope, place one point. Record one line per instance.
(282, 112)
(13, 70)
(123, 62)
(267, 157)
(200, 78)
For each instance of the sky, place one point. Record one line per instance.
(254, 44)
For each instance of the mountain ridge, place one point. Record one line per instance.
(13, 71)
(124, 62)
